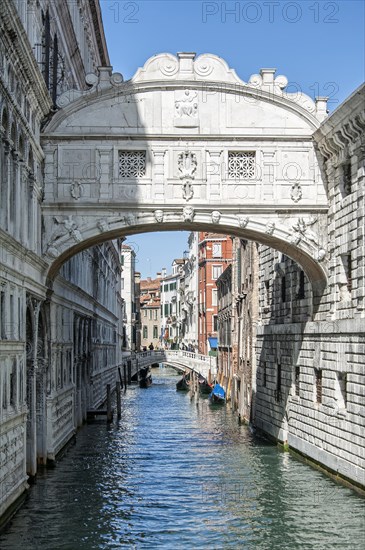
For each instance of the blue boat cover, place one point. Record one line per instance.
(219, 391)
(213, 342)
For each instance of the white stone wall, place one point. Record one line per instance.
(45, 329)
(328, 337)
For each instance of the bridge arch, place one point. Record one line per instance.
(186, 144)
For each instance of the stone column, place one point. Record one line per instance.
(31, 453)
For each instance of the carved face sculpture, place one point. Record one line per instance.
(243, 221)
(216, 216)
(129, 219)
(188, 213)
(159, 216)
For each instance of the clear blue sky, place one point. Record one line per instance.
(318, 45)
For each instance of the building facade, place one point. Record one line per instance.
(189, 295)
(150, 312)
(59, 344)
(214, 255)
(171, 305)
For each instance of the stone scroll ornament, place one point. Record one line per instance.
(296, 192)
(270, 228)
(76, 190)
(187, 165)
(64, 226)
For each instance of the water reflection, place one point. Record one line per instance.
(174, 473)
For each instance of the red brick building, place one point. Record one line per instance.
(215, 254)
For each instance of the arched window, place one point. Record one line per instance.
(46, 46)
(5, 122)
(30, 160)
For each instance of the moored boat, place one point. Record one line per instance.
(204, 387)
(183, 384)
(145, 382)
(218, 394)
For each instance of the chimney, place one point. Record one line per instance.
(163, 272)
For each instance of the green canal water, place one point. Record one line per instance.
(174, 473)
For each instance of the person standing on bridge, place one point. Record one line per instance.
(151, 347)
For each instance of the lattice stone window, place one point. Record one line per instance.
(241, 164)
(132, 164)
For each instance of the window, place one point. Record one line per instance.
(241, 165)
(214, 296)
(166, 288)
(267, 294)
(283, 289)
(13, 383)
(264, 374)
(348, 270)
(278, 396)
(217, 250)
(346, 178)
(166, 310)
(318, 380)
(297, 377)
(341, 389)
(215, 323)
(172, 286)
(301, 282)
(3, 335)
(145, 313)
(150, 314)
(155, 331)
(216, 271)
(155, 314)
(132, 164)
(145, 331)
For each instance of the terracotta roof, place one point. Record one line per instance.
(150, 285)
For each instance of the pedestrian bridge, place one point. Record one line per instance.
(179, 359)
(186, 145)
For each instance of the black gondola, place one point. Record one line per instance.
(145, 382)
(184, 383)
(204, 387)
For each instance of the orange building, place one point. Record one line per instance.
(215, 254)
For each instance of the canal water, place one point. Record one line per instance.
(176, 473)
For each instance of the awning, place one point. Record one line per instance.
(213, 342)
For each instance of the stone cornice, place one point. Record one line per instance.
(13, 30)
(18, 250)
(99, 31)
(345, 128)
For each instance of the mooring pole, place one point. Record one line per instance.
(120, 378)
(129, 372)
(119, 408)
(109, 415)
(125, 377)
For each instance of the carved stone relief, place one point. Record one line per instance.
(188, 214)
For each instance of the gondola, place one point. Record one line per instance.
(183, 384)
(217, 395)
(204, 387)
(145, 382)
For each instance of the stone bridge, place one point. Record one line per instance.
(179, 359)
(186, 145)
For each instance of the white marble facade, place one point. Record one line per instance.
(59, 342)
